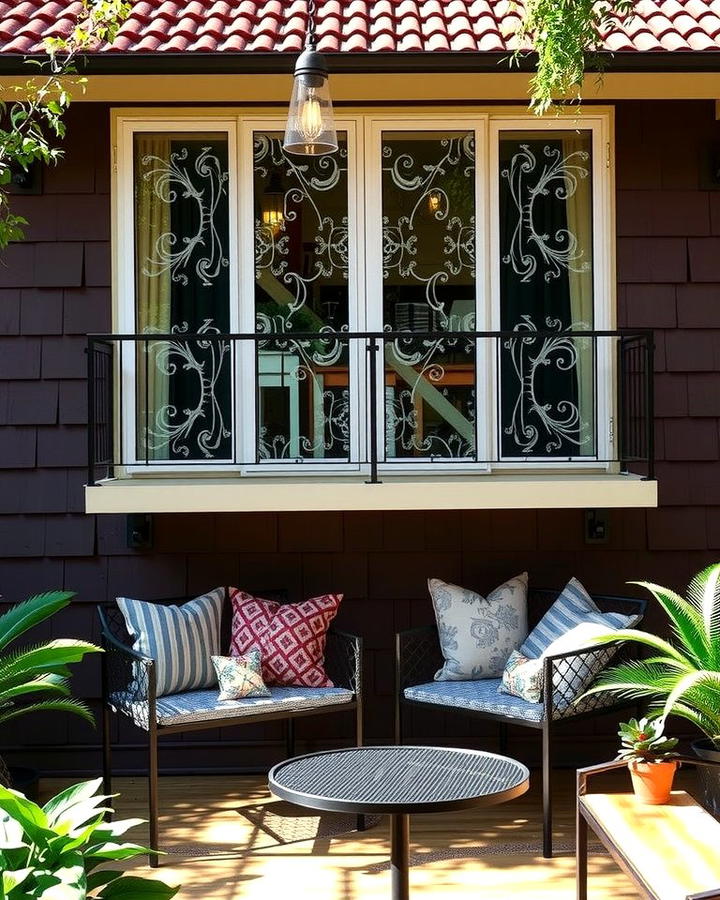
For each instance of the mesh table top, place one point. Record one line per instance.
(398, 779)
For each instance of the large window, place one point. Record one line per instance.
(468, 254)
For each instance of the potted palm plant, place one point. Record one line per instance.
(36, 677)
(682, 673)
(649, 755)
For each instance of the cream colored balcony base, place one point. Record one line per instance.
(164, 495)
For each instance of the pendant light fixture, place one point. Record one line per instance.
(310, 129)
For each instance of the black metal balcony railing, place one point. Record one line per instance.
(370, 400)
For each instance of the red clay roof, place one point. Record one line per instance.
(217, 26)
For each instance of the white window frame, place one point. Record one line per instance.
(376, 126)
(603, 278)
(364, 129)
(248, 126)
(124, 271)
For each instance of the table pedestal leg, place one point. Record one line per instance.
(399, 856)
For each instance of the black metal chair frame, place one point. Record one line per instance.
(418, 657)
(129, 688)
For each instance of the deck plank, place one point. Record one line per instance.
(228, 839)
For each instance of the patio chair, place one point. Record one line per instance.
(418, 657)
(129, 689)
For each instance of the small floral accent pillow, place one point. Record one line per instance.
(477, 634)
(240, 676)
(523, 677)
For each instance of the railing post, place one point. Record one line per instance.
(620, 429)
(91, 411)
(650, 402)
(372, 349)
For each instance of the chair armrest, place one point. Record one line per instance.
(417, 656)
(343, 660)
(560, 694)
(129, 684)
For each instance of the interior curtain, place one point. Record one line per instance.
(153, 286)
(580, 283)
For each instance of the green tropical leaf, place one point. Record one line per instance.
(72, 706)
(11, 880)
(51, 684)
(56, 807)
(114, 829)
(642, 637)
(634, 678)
(704, 594)
(686, 621)
(116, 851)
(26, 813)
(102, 877)
(132, 888)
(26, 615)
(45, 658)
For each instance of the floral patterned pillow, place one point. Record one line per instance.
(478, 634)
(240, 676)
(523, 677)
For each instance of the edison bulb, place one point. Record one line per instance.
(311, 123)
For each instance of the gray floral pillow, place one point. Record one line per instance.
(478, 634)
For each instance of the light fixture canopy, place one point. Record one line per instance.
(310, 129)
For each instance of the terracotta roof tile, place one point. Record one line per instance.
(211, 26)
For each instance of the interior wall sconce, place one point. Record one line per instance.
(310, 129)
(434, 201)
(273, 204)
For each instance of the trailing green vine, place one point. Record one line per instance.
(32, 122)
(563, 33)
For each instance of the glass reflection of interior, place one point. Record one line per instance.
(183, 389)
(301, 286)
(429, 278)
(546, 285)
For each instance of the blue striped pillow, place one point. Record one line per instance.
(181, 639)
(573, 607)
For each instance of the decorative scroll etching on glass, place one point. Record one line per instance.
(546, 285)
(183, 398)
(301, 286)
(428, 243)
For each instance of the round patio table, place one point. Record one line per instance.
(398, 781)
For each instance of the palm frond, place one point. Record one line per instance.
(708, 724)
(704, 593)
(72, 706)
(43, 658)
(51, 684)
(643, 637)
(683, 686)
(23, 616)
(686, 621)
(635, 678)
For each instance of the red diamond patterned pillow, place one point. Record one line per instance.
(290, 636)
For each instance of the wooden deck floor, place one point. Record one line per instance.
(227, 838)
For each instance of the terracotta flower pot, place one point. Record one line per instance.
(652, 782)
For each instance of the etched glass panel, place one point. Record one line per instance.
(183, 399)
(428, 233)
(547, 402)
(301, 287)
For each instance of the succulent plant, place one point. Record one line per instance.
(644, 740)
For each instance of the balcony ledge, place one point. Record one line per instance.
(279, 494)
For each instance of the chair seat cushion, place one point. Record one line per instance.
(481, 696)
(198, 706)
